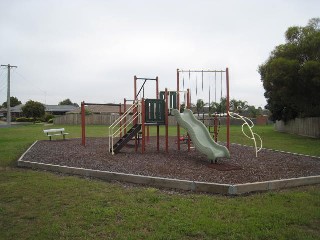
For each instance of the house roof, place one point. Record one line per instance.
(60, 108)
(17, 109)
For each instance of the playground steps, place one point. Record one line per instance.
(126, 138)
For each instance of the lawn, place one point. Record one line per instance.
(43, 205)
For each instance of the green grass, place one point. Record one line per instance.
(43, 205)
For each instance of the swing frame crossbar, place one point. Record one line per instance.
(211, 71)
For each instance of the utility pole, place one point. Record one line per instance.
(8, 93)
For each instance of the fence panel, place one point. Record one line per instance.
(309, 127)
(93, 119)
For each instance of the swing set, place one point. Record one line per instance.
(214, 78)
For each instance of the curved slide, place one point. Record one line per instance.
(200, 135)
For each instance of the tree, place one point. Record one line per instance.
(199, 105)
(214, 107)
(182, 107)
(222, 105)
(33, 109)
(253, 112)
(291, 75)
(13, 102)
(238, 106)
(68, 102)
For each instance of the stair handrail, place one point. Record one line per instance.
(115, 133)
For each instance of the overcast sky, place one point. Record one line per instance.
(90, 50)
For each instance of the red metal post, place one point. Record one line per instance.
(157, 97)
(228, 108)
(135, 88)
(143, 113)
(188, 99)
(188, 107)
(120, 121)
(124, 110)
(158, 138)
(178, 107)
(83, 124)
(215, 127)
(166, 119)
(157, 88)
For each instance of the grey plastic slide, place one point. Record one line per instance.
(200, 135)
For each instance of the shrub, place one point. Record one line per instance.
(48, 116)
(24, 119)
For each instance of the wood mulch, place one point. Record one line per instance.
(242, 167)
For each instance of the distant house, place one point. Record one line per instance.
(16, 111)
(50, 109)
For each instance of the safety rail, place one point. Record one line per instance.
(118, 126)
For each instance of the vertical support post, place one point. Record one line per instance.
(158, 138)
(188, 99)
(83, 123)
(134, 97)
(228, 109)
(157, 97)
(157, 88)
(166, 119)
(178, 107)
(215, 127)
(124, 110)
(143, 117)
(120, 121)
(188, 107)
(135, 88)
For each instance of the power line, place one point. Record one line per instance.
(30, 83)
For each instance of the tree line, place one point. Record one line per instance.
(237, 106)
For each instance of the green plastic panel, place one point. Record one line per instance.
(155, 111)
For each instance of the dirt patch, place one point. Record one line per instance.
(242, 167)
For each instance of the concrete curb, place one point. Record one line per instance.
(138, 179)
(226, 189)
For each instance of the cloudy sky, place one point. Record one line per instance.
(90, 50)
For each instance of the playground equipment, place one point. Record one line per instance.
(200, 135)
(146, 112)
(250, 125)
(142, 114)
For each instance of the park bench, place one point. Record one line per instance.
(55, 132)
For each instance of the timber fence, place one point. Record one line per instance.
(309, 127)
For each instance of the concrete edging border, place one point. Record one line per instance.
(226, 189)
